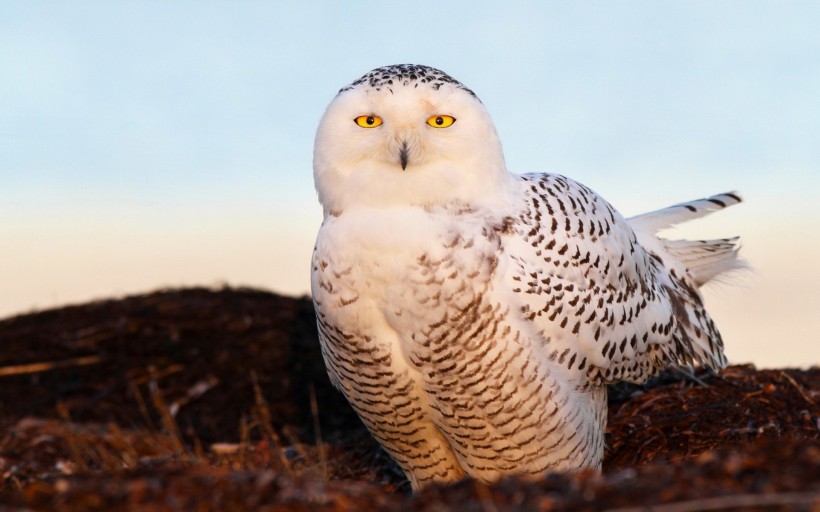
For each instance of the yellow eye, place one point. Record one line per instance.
(441, 121)
(370, 121)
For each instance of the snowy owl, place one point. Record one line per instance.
(472, 317)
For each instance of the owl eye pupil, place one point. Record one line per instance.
(369, 120)
(439, 121)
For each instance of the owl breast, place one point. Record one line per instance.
(401, 271)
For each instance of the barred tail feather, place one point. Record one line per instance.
(704, 259)
(657, 220)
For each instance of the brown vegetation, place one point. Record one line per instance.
(218, 400)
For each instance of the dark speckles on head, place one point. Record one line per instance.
(407, 75)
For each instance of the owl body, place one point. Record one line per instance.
(472, 317)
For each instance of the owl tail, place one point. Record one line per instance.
(704, 259)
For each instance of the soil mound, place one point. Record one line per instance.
(218, 400)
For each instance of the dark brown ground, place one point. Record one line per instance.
(150, 403)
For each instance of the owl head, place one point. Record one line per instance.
(407, 135)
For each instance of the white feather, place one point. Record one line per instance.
(703, 259)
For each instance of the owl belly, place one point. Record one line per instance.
(442, 372)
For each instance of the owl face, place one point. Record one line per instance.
(405, 135)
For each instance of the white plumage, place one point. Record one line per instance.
(472, 317)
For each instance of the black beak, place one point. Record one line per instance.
(403, 156)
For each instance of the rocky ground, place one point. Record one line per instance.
(203, 399)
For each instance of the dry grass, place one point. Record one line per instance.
(53, 448)
(212, 400)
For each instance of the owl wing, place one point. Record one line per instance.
(605, 307)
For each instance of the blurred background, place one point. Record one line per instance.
(158, 144)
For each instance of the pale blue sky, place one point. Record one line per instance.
(147, 144)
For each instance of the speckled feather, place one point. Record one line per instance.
(474, 335)
(403, 75)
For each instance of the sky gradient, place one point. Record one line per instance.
(156, 144)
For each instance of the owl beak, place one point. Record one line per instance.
(404, 155)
